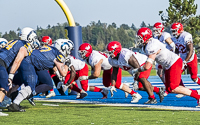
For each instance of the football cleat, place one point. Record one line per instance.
(51, 94)
(151, 101)
(135, 97)
(30, 100)
(81, 95)
(161, 93)
(104, 93)
(15, 108)
(166, 93)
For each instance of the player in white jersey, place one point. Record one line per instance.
(165, 38)
(78, 70)
(171, 62)
(184, 44)
(98, 61)
(128, 60)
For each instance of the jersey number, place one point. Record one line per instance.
(10, 44)
(181, 48)
(45, 49)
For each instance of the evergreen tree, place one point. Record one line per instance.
(183, 11)
(133, 27)
(143, 24)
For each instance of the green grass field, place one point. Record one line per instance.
(91, 114)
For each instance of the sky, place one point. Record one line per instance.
(33, 13)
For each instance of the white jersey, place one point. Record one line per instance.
(124, 56)
(163, 38)
(181, 44)
(166, 58)
(77, 63)
(96, 56)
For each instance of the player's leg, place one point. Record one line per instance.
(4, 88)
(193, 69)
(29, 79)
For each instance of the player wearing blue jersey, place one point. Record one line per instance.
(11, 57)
(3, 42)
(44, 58)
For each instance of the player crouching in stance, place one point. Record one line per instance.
(78, 70)
(98, 61)
(171, 62)
(43, 58)
(11, 57)
(129, 60)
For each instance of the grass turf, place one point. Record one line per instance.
(89, 114)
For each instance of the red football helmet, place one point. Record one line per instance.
(144, 34)
(46, 40)
(85, 50)
(158, 28)
(114, 48)
(176, 29)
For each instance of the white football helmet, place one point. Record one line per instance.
(3, 42)
(65, 46)
(28, 34)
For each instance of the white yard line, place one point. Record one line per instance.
(119, 104)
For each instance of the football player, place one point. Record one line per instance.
(11, 58)
(165, 38)
(172, 63)
(98, 61)
(129, 60)
(184, 44)
(42, 59)
(81, 70)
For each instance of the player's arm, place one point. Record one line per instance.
(190, 50)
(20, 56)
(148, 64)
(72, 75)
(114, 76)
(97, 70)
(62, 68)
(135, 64)
(171, 44)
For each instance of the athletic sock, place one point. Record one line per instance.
(156, 89)
(132, 92)
(18, 99)
(198, 81)
(152, 96)
(96, 89)
(194, 94)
